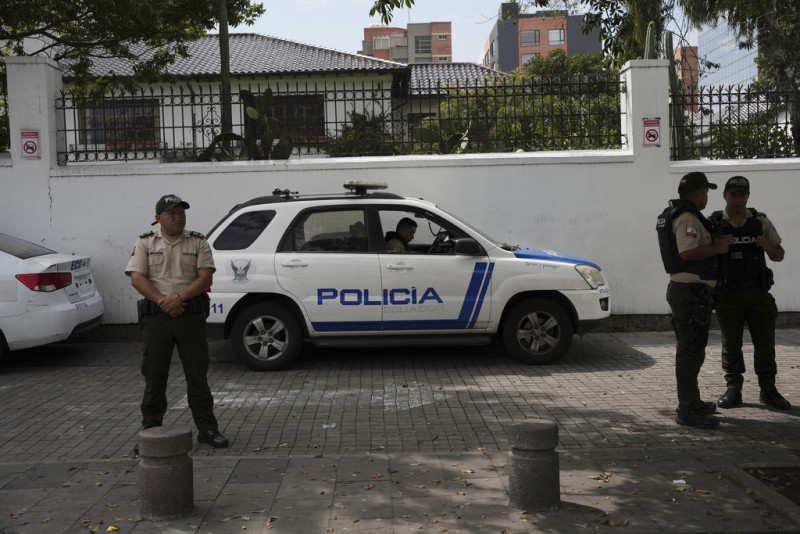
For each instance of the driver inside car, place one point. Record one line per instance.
(398, 241)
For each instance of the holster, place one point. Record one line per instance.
(199, 304)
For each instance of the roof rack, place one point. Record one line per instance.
(361, 187)
(285, 193)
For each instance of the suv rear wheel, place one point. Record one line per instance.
(266, 337)
(537, 331)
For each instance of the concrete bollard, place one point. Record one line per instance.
(165, 472)
(533, 477)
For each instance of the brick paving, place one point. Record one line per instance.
(398, 441)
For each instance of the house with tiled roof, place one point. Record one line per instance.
(315, 90)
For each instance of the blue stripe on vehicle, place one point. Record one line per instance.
(486, 282)
(473, 300)
(549, 255)
(471, 297)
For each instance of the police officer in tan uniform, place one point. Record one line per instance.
(691, 250)
(172, 268)
(745, 298)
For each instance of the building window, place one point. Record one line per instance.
(526, 57)
(127, 124)
(380, 43)
(443, 36)
(556, 37)
(529, 38)
(422, 44)
(302, 115)
(442, 59)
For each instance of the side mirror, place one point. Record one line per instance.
(467, 246)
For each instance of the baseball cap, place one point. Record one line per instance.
(694, 181)
(737, 183)
(168, 202)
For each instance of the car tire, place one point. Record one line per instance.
(266, 337)
(537, 331)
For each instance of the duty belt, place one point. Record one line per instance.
(199, 304)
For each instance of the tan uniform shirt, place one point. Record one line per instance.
(170, 267)
(690, 234)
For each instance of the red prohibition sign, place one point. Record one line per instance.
(651, 135)
(29, 147)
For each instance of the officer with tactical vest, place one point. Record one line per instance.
(691, 251)
(172, 268)
(744, 295)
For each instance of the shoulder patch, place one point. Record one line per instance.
(148, 234)
(197, 234)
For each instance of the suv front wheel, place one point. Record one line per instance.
(266, 337)
(537, 331)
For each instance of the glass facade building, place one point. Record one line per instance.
(721, 46)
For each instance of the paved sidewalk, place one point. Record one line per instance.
(399, 441)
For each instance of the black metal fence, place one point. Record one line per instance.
(5, 137)
(183, 123)
(734, 122)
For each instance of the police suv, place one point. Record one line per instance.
(294, 268)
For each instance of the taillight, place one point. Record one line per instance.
(45, 281)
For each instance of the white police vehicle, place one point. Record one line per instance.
(293, 268)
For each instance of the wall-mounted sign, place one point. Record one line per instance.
(29, 140)
(652, 132)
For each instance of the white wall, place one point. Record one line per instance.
(598, 204)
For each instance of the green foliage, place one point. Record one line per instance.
(5, 138)
(366, 135)
(152, 33)
(264, 136)
(384, 8)
(443, 136)
(748, 141)
(557, 103)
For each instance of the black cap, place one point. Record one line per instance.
(168, 202)
(737, 183)
(694, 181)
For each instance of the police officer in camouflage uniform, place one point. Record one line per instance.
(744, 295)
(691, 252)
(172, 268)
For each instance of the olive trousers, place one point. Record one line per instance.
(691, 306)
(161, 334)
(757, 309)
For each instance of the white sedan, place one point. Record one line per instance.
(45, 296)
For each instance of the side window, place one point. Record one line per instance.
(330, 231)
(244, 230)
(417, 232)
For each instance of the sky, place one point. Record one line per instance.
(340, 24)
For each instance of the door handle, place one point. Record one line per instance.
(399, 267)
(295, 263)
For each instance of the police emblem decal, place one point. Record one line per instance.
(240, 268)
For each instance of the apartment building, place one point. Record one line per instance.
(423, 42)
(517, 37)
(736, 66)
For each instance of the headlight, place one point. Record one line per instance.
(592, 276)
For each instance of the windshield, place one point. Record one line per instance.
(20, 248)
(497, 243)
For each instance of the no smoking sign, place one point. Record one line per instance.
(29, 140)
(652, 132)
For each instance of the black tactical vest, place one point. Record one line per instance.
(745, 265)
(707, 269)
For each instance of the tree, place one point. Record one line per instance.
(385, 7)
(152, 33)
(775, 28)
